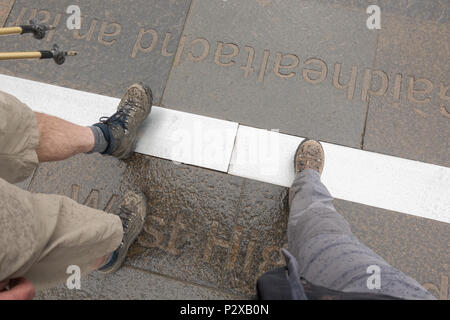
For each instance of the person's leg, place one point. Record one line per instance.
(19, 139)
(59, 231)
(48, 233)
(327, 252)
(60, 139)
(26, 137)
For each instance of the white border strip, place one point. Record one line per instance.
(373, 179)
(169, 134)
(364, 177)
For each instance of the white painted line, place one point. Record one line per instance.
(188, 138)
(169, 134)
(79, 107)
(264, 156)
(368, 178)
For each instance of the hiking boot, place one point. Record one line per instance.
(121, 128)
(309, 155)
(133, 212)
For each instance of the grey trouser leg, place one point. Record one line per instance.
(327, 252)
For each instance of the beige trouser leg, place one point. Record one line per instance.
(42, 235)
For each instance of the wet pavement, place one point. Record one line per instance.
(131, 283)
(209, 235)
(217, 233)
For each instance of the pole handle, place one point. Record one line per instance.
(10, 30)
(20, 55)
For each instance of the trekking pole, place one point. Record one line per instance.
(55, 53)
(38, 30)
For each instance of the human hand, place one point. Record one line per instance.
(19, 289)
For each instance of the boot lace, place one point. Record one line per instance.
(121, 117)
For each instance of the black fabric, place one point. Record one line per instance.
(274, 285)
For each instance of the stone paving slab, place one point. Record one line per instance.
(271, 64)
(416, 246)
(133, 284)
(191, 228)
(218, 68)
(221, 232)
(91, 180)
(117, 45)
(435, 10)
(412, 119)
(262, 220)
(5, 8)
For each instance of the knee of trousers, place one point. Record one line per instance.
(63, 234)
(81, 236)
(19, 139)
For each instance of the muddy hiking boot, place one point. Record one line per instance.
(121, 128)
(309, 155)
(133, 211)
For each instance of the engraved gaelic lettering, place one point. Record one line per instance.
(19, 19)
(272, 258)
(248, 261)
(92, 199)
(75, 192)
(55, 23)
(351, 84)
(43, 15)
(111, 202)
(443, 95)
(236, 240)
(443, 292)
(249, 66)
(294, 62)
(114, 31)
(219, 55)
(89, 33)
(263, 68)
(180, 50)
(204, 51)
(412, 90)
(319, 76)
(176, 227)
(397, 90)
(444, 112)
(367, 84)
(233, 244)
(443, 92)
(138, 46)
(165, 45)
(314, 71)
(157, 235)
